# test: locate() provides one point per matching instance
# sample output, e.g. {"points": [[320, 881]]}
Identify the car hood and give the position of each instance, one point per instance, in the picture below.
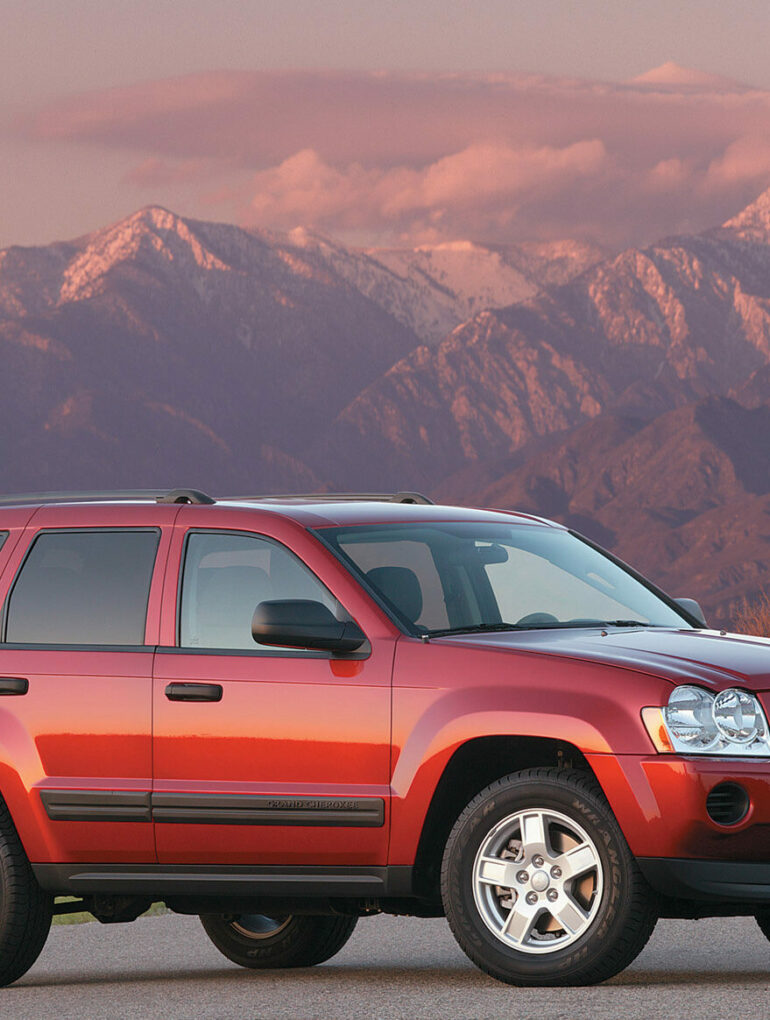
{"points": [[707, 656]]}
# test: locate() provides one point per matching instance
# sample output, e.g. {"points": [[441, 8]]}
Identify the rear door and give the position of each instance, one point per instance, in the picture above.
{"points": [[287, 761], [79, 627]]}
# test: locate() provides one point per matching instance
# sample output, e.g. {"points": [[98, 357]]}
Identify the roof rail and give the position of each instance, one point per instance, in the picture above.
{"points": [[78, 497], [185, 496], [343, 497], [102, 495]]}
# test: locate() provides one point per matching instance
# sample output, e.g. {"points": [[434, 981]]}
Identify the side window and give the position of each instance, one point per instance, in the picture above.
{"points": [[226, 576], [83, 588]]}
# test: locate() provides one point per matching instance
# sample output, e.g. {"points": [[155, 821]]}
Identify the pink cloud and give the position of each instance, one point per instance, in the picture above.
{"points": [[493, 157], [480, 185], [745, 160]]}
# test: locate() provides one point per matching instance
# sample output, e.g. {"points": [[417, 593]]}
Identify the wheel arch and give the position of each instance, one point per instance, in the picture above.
{"points": [[20, 797], [473, 766]]}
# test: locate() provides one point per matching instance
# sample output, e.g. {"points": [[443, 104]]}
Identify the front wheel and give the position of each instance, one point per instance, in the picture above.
{"points": [[539, 885], [261, 942]]}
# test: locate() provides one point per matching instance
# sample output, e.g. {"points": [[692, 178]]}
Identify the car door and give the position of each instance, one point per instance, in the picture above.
{"points": [[80, 622], [289, 762]]}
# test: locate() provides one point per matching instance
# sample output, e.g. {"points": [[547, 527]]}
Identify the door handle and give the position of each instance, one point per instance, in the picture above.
{"points": [[13, 685], [194, 692]]}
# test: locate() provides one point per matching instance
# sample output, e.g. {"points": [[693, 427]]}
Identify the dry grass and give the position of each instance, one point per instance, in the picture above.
{"points": [[753, 616], [84, 917]]}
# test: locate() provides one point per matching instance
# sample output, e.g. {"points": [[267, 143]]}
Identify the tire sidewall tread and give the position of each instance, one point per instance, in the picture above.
{"points": [[306, 941], [26, 911], [626, 916]]}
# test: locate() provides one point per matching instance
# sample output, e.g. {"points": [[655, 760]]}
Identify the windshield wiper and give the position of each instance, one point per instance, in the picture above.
{"points": [[475, 628], [481, 628], [624, 623]]}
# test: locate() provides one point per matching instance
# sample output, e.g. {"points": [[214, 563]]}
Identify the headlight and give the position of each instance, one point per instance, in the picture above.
{"points": [[689, 718], [695, 721], [738, 716]]}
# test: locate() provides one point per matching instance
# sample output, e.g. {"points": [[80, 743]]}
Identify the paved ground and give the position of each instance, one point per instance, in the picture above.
{"points": [[392, 967]]}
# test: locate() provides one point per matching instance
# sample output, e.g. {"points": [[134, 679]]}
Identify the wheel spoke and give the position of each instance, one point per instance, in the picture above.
{"points": [[533, 839], [569, 915], [520, 921], [532, 893], [577, 861], [494, 871]]}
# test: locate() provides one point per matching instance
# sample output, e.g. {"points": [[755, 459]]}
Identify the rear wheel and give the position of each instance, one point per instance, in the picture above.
{"points": [[539, 885], [25, 910], [261, 941]]}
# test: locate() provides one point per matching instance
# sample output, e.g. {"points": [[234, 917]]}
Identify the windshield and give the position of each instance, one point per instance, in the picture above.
{"points": [[454, 577]]}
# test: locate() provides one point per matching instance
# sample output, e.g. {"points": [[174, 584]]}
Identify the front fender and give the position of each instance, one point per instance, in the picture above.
{"points": [[490, 693]]}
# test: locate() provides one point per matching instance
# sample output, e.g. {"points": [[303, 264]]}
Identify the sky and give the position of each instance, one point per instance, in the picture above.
{"points": [[384, 121]]}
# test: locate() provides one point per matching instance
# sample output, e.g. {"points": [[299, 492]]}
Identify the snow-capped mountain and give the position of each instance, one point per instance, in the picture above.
{"points": [[623, 392], [432, 289], [645, 331], [752, 223], [248, 342]]}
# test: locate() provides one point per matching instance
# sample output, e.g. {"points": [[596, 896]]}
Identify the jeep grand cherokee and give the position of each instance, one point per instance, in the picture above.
{"points": [[286, 713]]}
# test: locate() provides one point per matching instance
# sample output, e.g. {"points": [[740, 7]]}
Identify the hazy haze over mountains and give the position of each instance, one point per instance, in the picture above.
{"points": [[628, 394]]}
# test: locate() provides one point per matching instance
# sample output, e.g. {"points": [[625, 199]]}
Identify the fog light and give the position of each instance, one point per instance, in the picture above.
{"points": [[727, 804]]}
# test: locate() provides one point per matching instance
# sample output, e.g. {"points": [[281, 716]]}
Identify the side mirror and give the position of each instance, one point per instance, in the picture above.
{"points": [[302, 623], [693, 608]]}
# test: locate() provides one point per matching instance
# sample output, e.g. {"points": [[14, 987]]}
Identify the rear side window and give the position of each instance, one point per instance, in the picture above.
{"points": [[83, 588]]}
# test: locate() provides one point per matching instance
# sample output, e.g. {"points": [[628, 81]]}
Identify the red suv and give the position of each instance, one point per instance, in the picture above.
{"points": [[287, 713]]}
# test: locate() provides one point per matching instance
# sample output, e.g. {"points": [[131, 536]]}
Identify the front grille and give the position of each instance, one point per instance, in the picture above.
{"points": [[727, 804]]}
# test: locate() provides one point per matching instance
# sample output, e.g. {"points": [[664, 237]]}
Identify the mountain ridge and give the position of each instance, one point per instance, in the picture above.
{"points": [[619, 392]]}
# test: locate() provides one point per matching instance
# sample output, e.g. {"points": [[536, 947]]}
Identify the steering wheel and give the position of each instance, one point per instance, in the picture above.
{"points": [[533, 619]]}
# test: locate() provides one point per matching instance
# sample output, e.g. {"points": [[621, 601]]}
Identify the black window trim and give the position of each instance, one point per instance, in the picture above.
{"points": [[664, 597], [77, 646], [32, 646], [259, 652]]}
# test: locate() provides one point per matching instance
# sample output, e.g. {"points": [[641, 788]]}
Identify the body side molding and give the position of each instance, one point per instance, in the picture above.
{"points": [[96, 805], [212, 809]]}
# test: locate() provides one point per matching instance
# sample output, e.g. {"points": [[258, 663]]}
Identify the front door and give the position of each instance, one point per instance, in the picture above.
{"points": [[264, 756]]}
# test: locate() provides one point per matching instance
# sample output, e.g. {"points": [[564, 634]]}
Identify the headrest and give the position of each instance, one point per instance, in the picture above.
{"points": [[400, 586]]}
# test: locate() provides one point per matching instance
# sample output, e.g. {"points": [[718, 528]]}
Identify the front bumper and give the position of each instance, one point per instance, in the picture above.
{"points": [[744, 882], [660, 802]]}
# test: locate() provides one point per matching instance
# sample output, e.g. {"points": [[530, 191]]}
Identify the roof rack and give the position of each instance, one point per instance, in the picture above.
{"points": [[201, 498], [117, 495], [342, 497], [78, 497]]}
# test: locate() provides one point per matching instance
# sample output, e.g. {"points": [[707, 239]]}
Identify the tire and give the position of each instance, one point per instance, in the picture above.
{"points": [[762, 918], [261, 942], [539, 885], [25, 910]]}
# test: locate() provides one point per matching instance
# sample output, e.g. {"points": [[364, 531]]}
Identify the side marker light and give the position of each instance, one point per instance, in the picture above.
{"points": [[656, 728]]}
